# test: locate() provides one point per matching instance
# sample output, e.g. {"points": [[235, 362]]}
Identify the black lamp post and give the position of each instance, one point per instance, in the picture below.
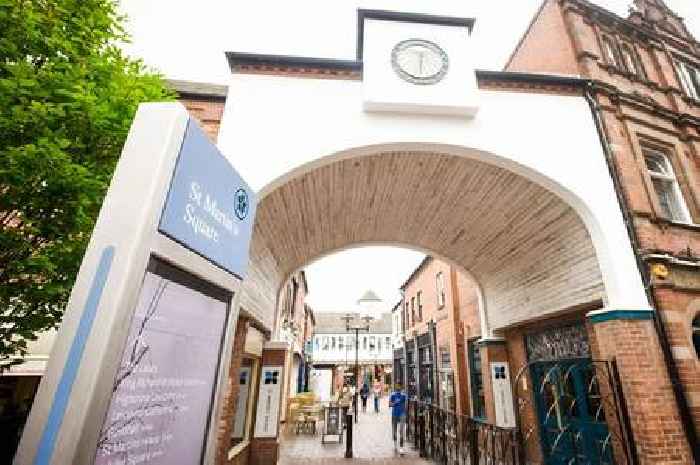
{"points": [[356, 328]]}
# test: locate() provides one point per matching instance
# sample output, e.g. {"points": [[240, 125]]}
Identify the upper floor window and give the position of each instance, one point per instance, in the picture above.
{"points": [[696, 335], [690, 78], [387, 341], [407, 319], [665, 185], [413, 309], [440, 284], [631, 61], [420, 305], [611, 52], [341, 342]]}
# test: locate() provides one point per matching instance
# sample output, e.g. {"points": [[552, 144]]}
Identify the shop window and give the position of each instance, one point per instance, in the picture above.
{"points": [[665, 185], [690, 78], [440, 284], [696, 335], [476, 381], [420, 305]]}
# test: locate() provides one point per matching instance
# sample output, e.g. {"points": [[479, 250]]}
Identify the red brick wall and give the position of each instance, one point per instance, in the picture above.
{"points": [[657, 428], [207, 112], [638, 110], [545, 47]]}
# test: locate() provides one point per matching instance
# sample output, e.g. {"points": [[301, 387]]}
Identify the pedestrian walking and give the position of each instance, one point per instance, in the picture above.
{"points": [[377, 390], [364, 394], [397, 403]]}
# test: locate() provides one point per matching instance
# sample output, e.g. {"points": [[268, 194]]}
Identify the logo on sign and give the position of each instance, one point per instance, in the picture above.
{"points": [[242, 204]]}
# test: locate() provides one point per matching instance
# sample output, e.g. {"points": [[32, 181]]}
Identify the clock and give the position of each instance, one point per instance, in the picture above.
{"points": [[419, 61]]}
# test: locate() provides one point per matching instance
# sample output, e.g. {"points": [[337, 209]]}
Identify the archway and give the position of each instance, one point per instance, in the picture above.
{"points": [[531, 251]]}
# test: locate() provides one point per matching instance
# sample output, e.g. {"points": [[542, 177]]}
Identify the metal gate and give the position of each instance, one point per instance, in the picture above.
{"points": [[572, 412]]}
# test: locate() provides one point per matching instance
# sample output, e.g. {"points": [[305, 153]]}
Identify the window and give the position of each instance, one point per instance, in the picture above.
{"points": [[318, 343], [440, 283], [333, 342], [665, 185], [387, 341], [611, 52], [696, 335], [408, 321], [341, 342], [690, 78], [631, 61], [420, 306], [476, 381], [364, 343], [379, 344], [325, 343], [413, 309]]}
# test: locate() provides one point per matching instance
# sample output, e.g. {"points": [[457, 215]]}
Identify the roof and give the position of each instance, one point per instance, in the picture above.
{"points": [[332, 323], [415, 272], [198, 89], [369, 296]]}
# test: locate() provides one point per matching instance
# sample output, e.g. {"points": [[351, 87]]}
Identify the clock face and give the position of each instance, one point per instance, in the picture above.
{"points": [[419, 61]]}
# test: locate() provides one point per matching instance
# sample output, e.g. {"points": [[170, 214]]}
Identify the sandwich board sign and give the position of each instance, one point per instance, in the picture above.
{"points": [[143, 350]]}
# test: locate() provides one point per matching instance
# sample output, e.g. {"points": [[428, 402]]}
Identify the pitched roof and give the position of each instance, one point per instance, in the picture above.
{"points": [[369, 295]]}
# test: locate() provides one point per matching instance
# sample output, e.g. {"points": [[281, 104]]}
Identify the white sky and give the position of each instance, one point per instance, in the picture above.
{"points": [[186, 39]]}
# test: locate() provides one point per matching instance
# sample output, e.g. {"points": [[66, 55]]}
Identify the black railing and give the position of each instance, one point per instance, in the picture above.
{"points": [[452, 439]]}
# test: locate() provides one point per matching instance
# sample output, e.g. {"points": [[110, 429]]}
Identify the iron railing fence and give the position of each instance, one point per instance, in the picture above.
{"points": [[452, 439]]}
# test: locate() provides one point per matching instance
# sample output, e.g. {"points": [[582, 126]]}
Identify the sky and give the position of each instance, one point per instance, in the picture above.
{"points": [[186, 40]]}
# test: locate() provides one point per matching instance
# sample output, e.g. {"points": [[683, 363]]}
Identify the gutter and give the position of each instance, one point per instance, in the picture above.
{"points": [[659, 325]]}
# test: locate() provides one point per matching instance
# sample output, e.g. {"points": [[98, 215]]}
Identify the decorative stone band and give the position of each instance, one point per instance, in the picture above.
{"points": [[601, 316]]}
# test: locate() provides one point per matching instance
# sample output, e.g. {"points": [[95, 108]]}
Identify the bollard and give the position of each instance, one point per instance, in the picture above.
{"points": [[348, 442]]}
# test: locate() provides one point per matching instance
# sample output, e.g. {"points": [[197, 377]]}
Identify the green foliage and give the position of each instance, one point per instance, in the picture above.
{"points": [[67, 98]]}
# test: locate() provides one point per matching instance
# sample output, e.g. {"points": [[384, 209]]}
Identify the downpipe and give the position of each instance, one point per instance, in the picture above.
{"points": [[671, 367]]}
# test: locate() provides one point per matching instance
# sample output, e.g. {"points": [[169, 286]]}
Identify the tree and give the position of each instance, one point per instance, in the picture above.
{"points": [[67, 98]]}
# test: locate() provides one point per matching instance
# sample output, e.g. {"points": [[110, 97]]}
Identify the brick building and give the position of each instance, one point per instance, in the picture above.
{"points": [[644, 73]]}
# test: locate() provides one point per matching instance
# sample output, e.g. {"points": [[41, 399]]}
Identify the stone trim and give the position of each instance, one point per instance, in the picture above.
{"points": [[601, 316]]}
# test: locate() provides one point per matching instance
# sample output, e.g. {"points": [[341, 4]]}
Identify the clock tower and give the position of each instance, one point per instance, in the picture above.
{"points": [[415, 63]]}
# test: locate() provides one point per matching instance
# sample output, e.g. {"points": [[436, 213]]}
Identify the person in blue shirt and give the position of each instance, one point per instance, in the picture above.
{"points": [[397, 402]]}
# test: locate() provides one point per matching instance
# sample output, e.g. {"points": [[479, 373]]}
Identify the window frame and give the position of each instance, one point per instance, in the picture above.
{"points": [[631, 60], [440, 287], [695, 335], [419, 305], [611, 52], [478, 400], [689, 77], [669, 177]]}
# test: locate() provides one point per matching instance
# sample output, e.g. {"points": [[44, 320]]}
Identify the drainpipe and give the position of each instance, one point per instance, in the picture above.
{"points": [[671, 367]]}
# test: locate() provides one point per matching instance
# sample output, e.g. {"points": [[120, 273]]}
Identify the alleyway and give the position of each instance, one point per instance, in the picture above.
{"points": [[372, 444]]}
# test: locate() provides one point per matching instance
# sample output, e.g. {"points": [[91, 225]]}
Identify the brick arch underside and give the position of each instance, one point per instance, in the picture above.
{"points": [[528, 249]]}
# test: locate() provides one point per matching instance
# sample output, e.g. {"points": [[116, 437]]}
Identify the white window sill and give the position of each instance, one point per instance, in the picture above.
{"points": [[237, 449]]}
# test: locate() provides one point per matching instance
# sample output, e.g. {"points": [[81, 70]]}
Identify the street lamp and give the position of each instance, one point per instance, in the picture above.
{"points": [[357, 327]]}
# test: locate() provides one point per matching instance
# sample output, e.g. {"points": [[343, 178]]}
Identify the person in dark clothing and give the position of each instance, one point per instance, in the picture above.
{"points": [[364, 394]]}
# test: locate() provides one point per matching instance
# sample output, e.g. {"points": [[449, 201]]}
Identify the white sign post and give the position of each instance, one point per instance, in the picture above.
{"points": [[502, 395], [267, 418], [145, 342]]}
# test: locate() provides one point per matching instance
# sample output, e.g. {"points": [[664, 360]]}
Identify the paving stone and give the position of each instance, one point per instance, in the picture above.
{"points": [[372, 444]]}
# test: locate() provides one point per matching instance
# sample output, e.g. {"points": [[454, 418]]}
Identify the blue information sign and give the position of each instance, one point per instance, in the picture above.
{"points": [[209, 208]]}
